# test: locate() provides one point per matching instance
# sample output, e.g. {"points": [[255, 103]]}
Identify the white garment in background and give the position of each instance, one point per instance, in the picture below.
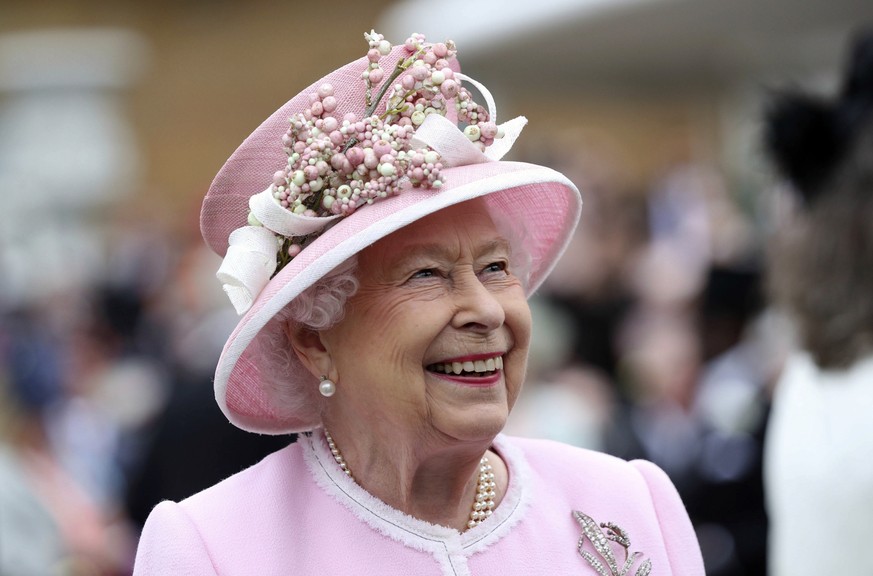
{"points": [[819, 470]]}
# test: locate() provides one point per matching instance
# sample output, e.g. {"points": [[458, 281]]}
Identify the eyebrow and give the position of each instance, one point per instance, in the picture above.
{"points": [[442, 251]]}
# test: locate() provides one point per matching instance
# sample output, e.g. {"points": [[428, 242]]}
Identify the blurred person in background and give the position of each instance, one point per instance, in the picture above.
{"points": [[819, 473], [691, 371], [697, 407], [49, 522]]}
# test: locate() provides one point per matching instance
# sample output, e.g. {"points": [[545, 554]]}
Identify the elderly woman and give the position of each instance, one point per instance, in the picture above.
{"points": [[381, 257]]}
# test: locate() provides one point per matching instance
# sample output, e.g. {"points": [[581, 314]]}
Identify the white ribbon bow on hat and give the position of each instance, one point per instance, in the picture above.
{"points": [[250, 260]]}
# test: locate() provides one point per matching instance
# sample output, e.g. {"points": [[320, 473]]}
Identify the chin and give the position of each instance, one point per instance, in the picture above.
{"points": [[480, 425]]}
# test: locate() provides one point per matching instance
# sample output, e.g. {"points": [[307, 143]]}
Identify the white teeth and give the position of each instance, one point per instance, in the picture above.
{"points": [[488, 365]]}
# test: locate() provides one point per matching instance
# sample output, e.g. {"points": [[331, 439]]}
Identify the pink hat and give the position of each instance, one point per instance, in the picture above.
{"points": [[282, 220]]}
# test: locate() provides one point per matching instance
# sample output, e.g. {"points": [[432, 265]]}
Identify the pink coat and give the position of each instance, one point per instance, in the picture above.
{"points": [[297, 513]]}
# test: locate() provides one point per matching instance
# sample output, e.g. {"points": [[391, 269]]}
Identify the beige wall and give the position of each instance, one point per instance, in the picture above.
{"points": [[622, 141], [219, 67]]}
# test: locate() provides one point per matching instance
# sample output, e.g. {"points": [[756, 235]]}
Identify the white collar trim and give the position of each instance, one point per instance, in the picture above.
{"points": [[450, 547]]}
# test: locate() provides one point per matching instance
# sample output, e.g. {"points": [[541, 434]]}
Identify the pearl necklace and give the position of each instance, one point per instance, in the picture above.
{"points": [[486, 487]]}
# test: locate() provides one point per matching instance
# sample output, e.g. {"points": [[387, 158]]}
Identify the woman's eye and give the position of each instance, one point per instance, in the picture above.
{"points": [[426, 273], [496, 267]]}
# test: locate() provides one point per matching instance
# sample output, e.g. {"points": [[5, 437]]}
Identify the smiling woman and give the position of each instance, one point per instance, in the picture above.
{"points": [[438, 291], [382, 264]]}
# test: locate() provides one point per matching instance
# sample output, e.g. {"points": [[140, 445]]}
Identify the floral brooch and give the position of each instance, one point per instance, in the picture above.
{"points": [[600, 537]]}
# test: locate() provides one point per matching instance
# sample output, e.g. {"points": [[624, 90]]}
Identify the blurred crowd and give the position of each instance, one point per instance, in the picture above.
{"points": [[106, 405]]}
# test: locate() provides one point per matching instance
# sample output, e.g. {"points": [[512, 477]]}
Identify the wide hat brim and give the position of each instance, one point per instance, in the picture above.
{"points": [[540, 199]]}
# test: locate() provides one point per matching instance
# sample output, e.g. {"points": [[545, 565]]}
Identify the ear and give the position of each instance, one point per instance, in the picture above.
{"points": [[310, 349]]}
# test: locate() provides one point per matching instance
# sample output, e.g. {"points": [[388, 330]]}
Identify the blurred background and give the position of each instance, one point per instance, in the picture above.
{"points": [[653, 337]]}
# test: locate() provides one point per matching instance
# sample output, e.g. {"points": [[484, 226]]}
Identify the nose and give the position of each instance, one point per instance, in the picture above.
{"points": [[477, 307]]}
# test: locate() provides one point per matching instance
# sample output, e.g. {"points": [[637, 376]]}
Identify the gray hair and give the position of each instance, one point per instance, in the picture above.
{"points": [[319, 307]]}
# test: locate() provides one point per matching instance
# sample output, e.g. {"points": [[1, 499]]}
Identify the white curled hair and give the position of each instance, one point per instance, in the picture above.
{"points": [[319, 307], [322, 305]]}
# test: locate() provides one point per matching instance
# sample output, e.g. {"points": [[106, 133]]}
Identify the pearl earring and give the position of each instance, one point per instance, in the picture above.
{"points": [[327, 387]]}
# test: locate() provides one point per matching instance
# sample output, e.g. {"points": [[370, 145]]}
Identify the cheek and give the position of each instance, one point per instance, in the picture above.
{"points": [[390, 334], [406, 327], [518, 320]]}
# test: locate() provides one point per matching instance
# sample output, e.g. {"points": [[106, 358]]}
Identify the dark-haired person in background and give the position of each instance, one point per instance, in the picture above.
{"points": [[819, 470]]}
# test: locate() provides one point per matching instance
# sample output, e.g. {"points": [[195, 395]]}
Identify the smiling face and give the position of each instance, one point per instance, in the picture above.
{"points": [[435, 341]]}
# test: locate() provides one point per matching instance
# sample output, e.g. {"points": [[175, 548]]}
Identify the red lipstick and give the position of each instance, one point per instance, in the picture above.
{"points": [[472, 381]]}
